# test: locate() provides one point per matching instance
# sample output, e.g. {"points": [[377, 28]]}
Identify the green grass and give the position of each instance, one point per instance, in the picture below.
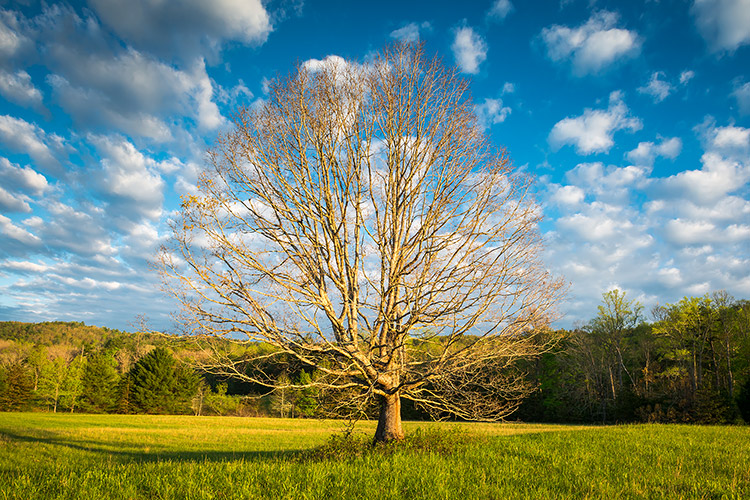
{"points": [[115, 456]]}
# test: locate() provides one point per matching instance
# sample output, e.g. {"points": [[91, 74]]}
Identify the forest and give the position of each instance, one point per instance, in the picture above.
{"points": [[687, 362]]}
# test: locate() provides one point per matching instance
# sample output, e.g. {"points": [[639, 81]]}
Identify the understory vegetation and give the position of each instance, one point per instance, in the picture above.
{"points": [[45, 455], [691, 364]]}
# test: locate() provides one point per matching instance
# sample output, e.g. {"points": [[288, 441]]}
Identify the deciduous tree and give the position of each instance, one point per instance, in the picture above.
{"points": [[361, 224]]}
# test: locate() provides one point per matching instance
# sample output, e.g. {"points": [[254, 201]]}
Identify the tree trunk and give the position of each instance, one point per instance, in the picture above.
{"points": [[389, 421]]}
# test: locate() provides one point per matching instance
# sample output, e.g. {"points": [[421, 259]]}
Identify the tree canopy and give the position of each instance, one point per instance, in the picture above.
{"points": [[360, 223]]}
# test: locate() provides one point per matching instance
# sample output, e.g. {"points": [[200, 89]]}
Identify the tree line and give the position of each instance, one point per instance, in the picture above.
{"points": [[690, 364]]}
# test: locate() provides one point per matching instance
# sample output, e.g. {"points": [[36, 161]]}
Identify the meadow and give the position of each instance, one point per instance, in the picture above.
{"points": [[44, 455]]}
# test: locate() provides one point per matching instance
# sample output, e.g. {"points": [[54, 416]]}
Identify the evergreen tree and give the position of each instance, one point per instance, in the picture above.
{"points": [[99, 382], [159, 384], [306, 401], [16, 386]]}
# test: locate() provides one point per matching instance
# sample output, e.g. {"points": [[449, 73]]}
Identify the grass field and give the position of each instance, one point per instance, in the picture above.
{"points": [[45, 455]]}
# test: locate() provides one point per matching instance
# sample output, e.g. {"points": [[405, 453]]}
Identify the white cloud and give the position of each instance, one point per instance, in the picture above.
{"points": [[18, 88], [28, 138], [686, 76], [22, 178], [611, 184], [691, 237], [500, 9], [336, 63], [17, 233], [684, 232], [24, 266], [716, 179], [592, 46], [130, 179], [567, 195], [186, 27], [133, 92], [469, 49], [410, 32], [491, 112], [508, 88], [731, 141], [725, 24], [669, 148], [13, 43], [646, 152], [742, 95], [592, 132], [658, 89], [10, 202], [21, 182]]}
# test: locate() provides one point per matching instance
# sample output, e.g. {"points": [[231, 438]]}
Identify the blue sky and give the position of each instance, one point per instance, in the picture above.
{"points": [[634, 117]]}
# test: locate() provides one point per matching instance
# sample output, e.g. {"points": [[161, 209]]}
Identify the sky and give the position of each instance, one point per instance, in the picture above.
{"points": [[632, 116]]}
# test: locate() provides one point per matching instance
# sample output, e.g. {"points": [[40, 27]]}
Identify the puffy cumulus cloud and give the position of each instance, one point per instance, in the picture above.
{"points": [[688, 232], [469, 50], [337, 63], [101, 84], [22, 178], [410, 32], [593, 46], [690, 237], [82, 231], [500, 9], [657, 88], [725, 24], [18, 88], [592, 132], [27, 138], [132, 92], [647, 152], [14, 43], [731, 142], [185, 27], [716, 179], [596, 226], [567, 195], [130, 181], [491, 112], [17, 233], [13, 202], [742, 96], [21, 181], [610, 183]]}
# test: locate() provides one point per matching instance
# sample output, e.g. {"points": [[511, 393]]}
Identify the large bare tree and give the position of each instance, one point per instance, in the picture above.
{"points": [[359, 222]]}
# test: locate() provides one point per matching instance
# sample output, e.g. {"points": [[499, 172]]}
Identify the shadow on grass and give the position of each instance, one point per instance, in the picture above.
{"points": [[339, 447], [106, 449]]}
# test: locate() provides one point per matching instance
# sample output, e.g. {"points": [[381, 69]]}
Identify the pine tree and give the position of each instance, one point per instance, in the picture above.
{"points": [[161, 385], [99, 382], [16, 386]]}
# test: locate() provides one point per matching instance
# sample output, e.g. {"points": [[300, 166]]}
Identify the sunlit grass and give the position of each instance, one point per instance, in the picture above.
{"points": [[117, 456]]}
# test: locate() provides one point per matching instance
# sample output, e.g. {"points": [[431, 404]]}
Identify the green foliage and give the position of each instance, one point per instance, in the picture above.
{"points": [[16, 384], [306, 401], [99, 384], [162, 385]]}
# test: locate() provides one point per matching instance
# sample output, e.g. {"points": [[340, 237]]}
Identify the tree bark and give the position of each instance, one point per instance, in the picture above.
{"points": [[389, 421]]}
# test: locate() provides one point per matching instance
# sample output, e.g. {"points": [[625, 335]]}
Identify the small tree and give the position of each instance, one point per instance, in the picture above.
{"points": [[361, 224], [159, 384]]}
